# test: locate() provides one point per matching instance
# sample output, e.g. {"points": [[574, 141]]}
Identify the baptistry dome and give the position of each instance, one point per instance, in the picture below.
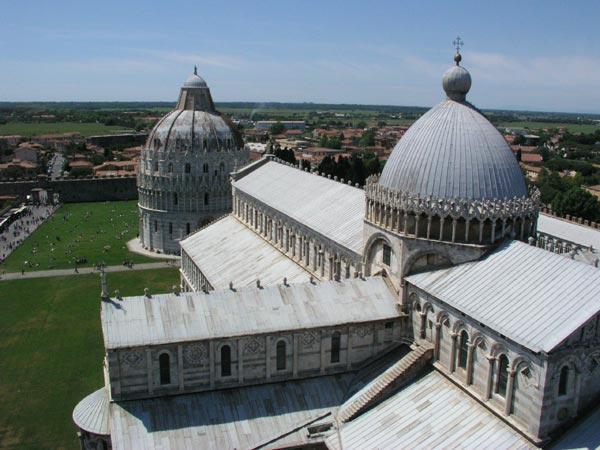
{"points": [[184, 171], [453, 151]]}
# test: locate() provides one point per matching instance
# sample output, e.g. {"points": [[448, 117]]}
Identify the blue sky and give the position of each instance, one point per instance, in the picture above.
{"points": [[535, 55]]}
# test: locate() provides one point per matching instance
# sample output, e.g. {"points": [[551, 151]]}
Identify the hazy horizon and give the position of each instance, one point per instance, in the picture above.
{"points": [[525, 56]]}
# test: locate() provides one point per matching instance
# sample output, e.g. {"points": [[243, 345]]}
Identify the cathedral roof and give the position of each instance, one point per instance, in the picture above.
{"points": [[454, 151], [193, 316], [429, 413], [249, 256], [331, 208], [532, 296]]}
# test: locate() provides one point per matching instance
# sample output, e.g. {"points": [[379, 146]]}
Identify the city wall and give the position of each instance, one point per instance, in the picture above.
{"points": [[76, 190]]}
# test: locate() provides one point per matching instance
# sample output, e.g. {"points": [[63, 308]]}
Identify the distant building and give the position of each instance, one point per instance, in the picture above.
{"points": [[27, 153], [288, 124]]}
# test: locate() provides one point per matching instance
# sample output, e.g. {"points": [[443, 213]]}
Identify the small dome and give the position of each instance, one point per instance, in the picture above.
{"points": [[194, 81], [456, 82]]}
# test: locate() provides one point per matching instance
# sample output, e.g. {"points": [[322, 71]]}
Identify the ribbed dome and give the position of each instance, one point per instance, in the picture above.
{"points": [[456, 82], [92, 413], [194, 81], [185, 130], [453, 151]]}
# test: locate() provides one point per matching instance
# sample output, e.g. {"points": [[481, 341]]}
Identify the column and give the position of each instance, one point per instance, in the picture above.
{"points": [[453, 351], [436, 342], [509, 391], [180, 367], [149, 370], [488, 385], [268, 357], [211, 359], [295, 356], [468, 378], [240, 345]]}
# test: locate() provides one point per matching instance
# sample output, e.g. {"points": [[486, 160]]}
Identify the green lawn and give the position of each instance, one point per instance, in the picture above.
{"points": [[96, 231], [86, 129], [574, 128], [51, 351]]}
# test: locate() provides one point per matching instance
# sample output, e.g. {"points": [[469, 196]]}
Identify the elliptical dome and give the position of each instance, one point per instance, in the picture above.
{"points": [[453, 151]]}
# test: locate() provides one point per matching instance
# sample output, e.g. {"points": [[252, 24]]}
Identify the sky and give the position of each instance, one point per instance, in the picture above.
{"points": [[523, 55]]}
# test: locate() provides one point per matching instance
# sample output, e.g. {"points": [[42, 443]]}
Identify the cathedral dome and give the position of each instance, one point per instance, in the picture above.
{"points": [[454, 152]]}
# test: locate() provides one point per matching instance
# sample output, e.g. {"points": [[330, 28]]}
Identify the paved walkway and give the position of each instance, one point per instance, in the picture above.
{"points": [[135, 246], [84, 270], [21, 228]]}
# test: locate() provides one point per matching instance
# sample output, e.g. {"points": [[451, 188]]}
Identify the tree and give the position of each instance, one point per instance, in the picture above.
{"points": [[277, 128], [286, 155], [368, 138], [577, 202]]}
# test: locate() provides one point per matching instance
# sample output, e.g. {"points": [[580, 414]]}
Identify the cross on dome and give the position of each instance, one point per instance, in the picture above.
{"points": [[458, 43]]}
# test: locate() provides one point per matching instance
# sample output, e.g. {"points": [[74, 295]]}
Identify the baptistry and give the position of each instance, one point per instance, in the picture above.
{"points": [[183, 176]]}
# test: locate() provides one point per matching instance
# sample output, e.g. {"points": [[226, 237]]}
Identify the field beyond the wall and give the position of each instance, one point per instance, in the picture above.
{"points": [[91, 233], [28, 130], [51, 351]]}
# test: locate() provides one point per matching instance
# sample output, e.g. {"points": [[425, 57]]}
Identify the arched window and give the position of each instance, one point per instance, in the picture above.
{"points": [[188, 168], [281, 355], [502, 375], [463, 349], [563, 381], [170, 228], [335, 346], [205, 168], [222, 167], [206, 198], [164, 363], [226, 361], [175, 198], [170, 167], [187, 228], [156, 166]]}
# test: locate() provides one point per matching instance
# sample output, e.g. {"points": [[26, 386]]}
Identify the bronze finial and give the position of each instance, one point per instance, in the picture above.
{"points": [[458, 43], [195, 70]]}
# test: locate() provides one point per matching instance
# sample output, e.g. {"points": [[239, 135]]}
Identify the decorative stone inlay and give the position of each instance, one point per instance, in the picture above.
{"points": [[308, 339], [253, 346], [362, 331], [133, 358], [496, 209], [195, 353]]}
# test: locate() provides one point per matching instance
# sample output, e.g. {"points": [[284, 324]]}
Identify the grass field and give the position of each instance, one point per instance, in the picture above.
{"points": [[51, 352], [574, 128], [96, 231], [32, 129]]}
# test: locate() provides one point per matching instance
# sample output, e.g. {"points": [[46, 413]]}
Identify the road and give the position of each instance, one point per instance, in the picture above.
{"points": [[83, 270], [56, 169]]}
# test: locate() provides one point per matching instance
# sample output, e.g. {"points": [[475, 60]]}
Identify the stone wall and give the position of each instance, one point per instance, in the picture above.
{"points": [[514, 392], [198, 366], [77, 190]]}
